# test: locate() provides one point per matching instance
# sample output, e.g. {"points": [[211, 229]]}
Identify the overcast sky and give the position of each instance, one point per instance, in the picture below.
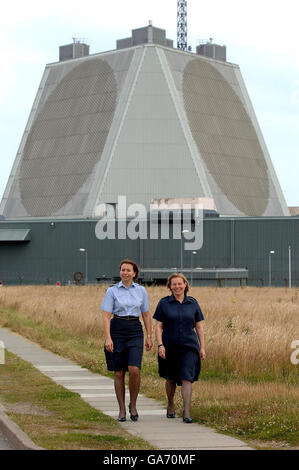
{"points": [[262, 37]]}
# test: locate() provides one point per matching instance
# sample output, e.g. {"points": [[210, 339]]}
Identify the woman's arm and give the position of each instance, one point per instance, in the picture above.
{"points": [[158, 333], [200, 335], [147, 319], [106, 325]]}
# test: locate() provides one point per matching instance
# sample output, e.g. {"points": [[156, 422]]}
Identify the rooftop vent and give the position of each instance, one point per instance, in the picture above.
{"points": [[146, 35], [213, 51], [73, 51]]}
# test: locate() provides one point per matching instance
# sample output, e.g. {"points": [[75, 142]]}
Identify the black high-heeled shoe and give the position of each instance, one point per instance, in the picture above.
{"points": [[185, 419], [121, 419], [133, 417], [170, 415]]}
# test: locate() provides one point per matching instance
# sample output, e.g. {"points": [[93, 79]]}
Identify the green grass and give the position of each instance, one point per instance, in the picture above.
{"points": [[54, 417], [255, 422], [85, 352], [265, 419]]}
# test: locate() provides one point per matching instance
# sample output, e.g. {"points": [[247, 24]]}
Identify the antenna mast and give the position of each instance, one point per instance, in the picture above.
{"points": [[182, 25]]}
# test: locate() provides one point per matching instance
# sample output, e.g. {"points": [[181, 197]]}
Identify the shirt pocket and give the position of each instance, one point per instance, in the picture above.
{"points": [[128, 302], [136, 301]]}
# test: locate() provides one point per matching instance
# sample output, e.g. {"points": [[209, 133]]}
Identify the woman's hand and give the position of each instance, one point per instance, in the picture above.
{"points": [[109, 345], [202, 353], [148, 343], [106, 324], [161, 351]]}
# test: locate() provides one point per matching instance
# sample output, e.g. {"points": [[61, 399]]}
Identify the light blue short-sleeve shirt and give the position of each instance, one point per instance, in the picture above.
{"points": [[123, 301]]}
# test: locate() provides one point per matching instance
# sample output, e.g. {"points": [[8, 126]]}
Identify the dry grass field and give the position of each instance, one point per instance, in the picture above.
{"points": [[247, 379], [247, 330]]}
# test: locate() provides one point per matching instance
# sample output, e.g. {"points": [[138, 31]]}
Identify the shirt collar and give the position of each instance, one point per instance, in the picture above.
{"points": [[173, 299], [120, 284]]}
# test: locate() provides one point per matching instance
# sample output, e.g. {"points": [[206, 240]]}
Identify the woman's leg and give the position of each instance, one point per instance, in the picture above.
{"points": [[134, 385], [119, 386], [186, 394], [170, 387]]}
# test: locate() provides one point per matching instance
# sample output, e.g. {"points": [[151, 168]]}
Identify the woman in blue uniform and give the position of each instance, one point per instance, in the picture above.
{"points": [[126, 301], [180, 339]]}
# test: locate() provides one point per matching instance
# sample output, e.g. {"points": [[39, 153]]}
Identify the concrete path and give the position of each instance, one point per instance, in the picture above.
{"points": [[4, 442], [98, 391]]}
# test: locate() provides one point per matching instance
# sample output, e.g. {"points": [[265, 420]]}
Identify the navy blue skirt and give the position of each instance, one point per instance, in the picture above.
{"points": [[127, 337], [181, 363]]}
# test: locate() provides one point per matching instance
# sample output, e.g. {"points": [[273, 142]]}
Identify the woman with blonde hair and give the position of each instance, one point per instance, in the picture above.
{"points": [[180, 339]]}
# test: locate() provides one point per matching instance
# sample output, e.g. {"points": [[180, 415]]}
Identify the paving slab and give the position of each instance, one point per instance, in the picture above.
{"points": [[98, 391]]}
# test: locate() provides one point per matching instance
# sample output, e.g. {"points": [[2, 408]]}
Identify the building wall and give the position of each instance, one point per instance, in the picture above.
{"points": [[53, 253]]}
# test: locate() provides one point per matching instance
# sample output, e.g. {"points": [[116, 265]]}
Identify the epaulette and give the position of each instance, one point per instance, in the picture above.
{"points": [[193, 298]]}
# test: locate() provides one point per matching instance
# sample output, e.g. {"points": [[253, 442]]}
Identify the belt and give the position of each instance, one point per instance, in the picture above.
{"points": [[128, 317]]}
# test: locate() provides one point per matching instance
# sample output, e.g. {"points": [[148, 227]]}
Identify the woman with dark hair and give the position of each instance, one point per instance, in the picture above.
{"points": [[126, 301], [180, 339]]}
